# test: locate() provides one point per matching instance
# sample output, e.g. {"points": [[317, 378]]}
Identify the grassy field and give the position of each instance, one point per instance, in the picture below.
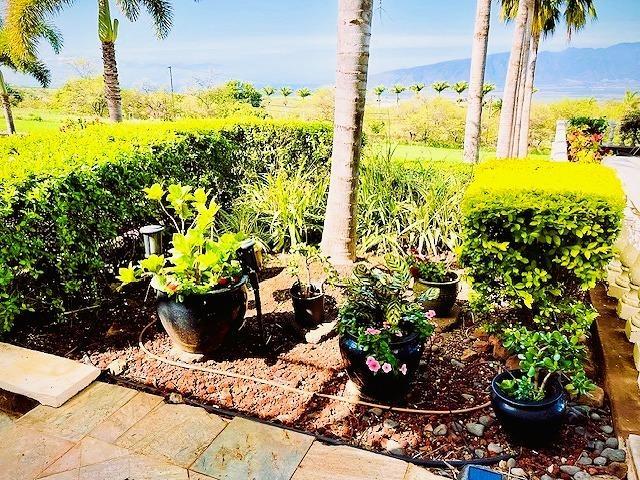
{"points": [[32, 120], [413, 153]]}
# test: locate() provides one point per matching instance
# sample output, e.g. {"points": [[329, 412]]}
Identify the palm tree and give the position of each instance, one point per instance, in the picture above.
{"points": [[487, 88], [22, 15], [440, 87], [460, 88], [285, 91], [304, 93], [354, 34], [32, 66], [477, 86], [631, 100], [269, 91], [546, 16], [378, 91], [398, 89], [510, 97], [417, 88]]}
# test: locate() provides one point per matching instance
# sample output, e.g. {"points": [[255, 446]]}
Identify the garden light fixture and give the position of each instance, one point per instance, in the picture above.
{"points": [[152, 237]]}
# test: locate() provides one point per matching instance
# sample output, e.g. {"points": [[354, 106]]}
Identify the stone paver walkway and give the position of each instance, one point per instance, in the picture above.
{"points": [[108, 432]]}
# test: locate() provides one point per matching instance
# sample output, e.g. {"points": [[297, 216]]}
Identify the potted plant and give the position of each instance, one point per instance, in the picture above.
{"points": [[434, 273], [531, 403], [307, 295], [382, 330], [200, 287]]}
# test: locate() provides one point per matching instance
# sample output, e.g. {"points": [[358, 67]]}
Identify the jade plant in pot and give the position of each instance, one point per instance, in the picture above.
{"points": [[434, 273], [531, 402], [382, 330], [200, 286], [307, 293]]}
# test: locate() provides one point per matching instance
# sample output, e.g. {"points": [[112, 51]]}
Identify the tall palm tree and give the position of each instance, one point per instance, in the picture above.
{"points": [[398, 90], [22, 15], [304, 93], [33, 67], [354, 35], [547, 14], [476, 82], [440, 87], [378, 91], [417, 88], [460, 88], [510, 96], [269, 91], [285, 92]]}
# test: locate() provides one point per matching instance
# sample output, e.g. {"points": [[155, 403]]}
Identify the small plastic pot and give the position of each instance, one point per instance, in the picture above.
{"points": [[392, 386], [447, 294], [308, 310], [201, 323], [530, 423]]}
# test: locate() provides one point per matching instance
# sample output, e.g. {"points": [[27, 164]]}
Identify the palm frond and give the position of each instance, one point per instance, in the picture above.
{"points": [[161, 11]]}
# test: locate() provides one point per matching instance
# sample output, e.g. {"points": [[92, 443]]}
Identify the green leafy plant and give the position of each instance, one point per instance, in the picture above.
{"points": [[302, 260], [377, 311], [630, 128], [542, 356], [430, 269], [589, 125], [200, 261]]}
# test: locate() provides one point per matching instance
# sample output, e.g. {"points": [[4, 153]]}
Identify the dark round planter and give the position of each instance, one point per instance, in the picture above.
{"points": [[530, 423], [200, 323], [391, 386], [308, 311], [447, 294]]}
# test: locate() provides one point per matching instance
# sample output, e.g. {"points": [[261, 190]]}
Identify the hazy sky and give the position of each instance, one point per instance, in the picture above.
{"points": [[293, 41]]}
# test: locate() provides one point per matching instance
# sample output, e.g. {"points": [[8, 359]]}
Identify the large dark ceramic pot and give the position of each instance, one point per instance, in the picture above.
{"points": [[530, 423], [447, 294], [200, 323], [391, 386], [308, 311]]}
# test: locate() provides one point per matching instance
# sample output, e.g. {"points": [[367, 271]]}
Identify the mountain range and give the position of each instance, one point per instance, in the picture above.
{"points": [[574, 72]]}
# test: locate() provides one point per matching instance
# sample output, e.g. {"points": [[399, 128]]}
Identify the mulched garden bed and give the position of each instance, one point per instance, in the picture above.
{"points": [[455, 373]]}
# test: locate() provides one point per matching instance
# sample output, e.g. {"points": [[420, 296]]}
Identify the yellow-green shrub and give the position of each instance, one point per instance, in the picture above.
{"points": [[536, 232]]}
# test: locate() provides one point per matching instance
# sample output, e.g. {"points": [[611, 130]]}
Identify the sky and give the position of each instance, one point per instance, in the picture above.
{"points": [[292, 42]]}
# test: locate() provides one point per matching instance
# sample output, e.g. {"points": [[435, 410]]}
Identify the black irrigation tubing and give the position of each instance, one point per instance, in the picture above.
{"points": [[230, 414]]}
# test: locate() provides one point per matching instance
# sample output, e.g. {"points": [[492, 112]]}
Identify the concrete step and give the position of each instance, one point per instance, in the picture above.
{"points": [[49, 379]]}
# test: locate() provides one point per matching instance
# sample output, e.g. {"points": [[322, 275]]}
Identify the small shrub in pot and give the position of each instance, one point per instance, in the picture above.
{"points": [[200, 286], [382, 331], [435, 273], [307, 293]]}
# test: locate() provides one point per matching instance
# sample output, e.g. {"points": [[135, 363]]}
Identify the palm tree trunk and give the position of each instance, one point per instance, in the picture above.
{"points": [[520, 95], [476, 82], [523, 147], [111, 82], [509, 98], [6, 105], [354, 34]]}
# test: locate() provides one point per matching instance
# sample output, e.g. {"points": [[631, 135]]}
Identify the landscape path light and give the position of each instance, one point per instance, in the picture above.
{"points": [[152, 237]]}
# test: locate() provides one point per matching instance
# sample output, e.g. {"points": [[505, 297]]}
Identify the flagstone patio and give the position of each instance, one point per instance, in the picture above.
{"points": [[114, 433]]}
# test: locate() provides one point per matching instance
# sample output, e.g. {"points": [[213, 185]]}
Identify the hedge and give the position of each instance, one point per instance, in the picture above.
{"points": [[67, 198], [538, 232]]}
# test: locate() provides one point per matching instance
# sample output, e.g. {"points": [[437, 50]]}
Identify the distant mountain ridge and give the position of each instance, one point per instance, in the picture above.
{"points": [[597, 72]]}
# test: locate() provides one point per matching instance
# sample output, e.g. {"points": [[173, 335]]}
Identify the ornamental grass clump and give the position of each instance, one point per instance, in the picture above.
{"points": [[537, 236]]}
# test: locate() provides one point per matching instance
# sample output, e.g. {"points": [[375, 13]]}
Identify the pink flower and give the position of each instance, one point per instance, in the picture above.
{"points": [[373, 364], [386, 368], [403, 369], [431, 314], [373, 331]]}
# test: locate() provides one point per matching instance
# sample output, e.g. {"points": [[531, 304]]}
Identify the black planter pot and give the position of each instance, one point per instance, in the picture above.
{"points": [[200, 323], [447, 294], [391, 386], [530, 423], [308, 311]]}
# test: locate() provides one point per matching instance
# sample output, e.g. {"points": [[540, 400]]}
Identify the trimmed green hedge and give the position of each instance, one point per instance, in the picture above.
{"points": [[65, 198], [536, 232]]}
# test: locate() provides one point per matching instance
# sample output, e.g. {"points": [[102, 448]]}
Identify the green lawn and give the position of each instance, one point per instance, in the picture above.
{"points": [[29, 120], [413, 153]]}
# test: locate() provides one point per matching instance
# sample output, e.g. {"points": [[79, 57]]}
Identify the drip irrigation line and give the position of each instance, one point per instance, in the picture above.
{"points": [[230, 414], [301, 391]]}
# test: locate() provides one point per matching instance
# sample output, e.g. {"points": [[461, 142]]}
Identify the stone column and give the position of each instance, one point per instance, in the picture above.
{"points": [[559, 149]]}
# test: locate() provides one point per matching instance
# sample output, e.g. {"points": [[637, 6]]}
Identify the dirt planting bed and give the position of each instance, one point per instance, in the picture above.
{"points": [[455, 373]]}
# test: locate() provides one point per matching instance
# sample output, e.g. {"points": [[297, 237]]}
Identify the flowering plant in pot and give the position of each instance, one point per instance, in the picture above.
{"points": [[307, 293], [435, 273], [382, 329], [200, 287], [531, 402]]}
